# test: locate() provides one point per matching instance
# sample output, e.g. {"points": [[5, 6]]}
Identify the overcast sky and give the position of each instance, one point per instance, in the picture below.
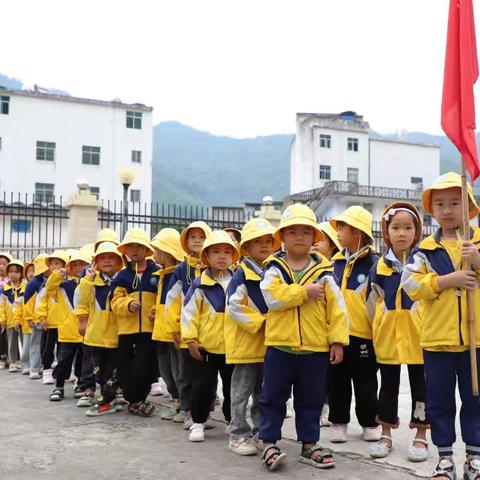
{"points": [[238, 68]]}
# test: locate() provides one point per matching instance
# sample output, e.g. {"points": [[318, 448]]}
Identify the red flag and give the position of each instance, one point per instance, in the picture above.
{"points": [[461, 72]]}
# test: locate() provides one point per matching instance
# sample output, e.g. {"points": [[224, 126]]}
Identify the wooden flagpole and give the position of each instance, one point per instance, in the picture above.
{"points": [[470, 299]]}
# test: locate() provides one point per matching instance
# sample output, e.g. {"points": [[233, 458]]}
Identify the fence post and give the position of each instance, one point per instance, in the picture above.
{"points": [[83, 217]]}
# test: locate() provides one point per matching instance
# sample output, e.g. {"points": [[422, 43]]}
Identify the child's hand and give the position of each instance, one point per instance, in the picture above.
{"points": [[43, 324], [465, 279], [62, 272], [91, 273], [134, 306], [31, 324], [151, 315], [336, 354], [82, 325], [176, 340], [315, 292], [196, 351], [2, 327], [471, 254], [18, 327]]}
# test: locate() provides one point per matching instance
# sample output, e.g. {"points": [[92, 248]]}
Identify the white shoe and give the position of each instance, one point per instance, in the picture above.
{"points": [[86, 400], [12, 368], [471, 468], [324, 421], [289, 411], [380, 449], [371, 434], [338, 433], [242, 446], [188, 422], [418, 454], [156, 390], [48, 377], [35, 376], [196, 433], [25, 371]]}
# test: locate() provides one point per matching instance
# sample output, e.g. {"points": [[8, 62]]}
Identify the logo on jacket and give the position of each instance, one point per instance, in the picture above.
{"points": [[361, 277], [154, 281]]}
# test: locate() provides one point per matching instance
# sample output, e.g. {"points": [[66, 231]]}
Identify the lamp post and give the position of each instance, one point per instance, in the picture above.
{"points": [[126, 176]]}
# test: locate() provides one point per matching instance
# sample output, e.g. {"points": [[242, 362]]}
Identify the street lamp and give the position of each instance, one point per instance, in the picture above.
{"points": [[126, 176]]}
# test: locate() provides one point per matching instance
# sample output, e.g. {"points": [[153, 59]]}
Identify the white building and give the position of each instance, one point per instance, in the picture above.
{"points": [[48, 143], [335, 162]]}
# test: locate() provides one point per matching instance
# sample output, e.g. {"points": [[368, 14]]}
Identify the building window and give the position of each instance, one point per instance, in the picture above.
{"points": [[21, 225], [135, 195], [134, 120], [352, 144], [44, 192], [325, 172], [136, 156], [352, 175], [90, 155], [417, 181], [325, 140], [4, 104], [46, 151], [95, 191]]}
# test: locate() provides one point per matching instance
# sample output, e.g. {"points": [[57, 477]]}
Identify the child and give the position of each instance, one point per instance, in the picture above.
{"points": [[10, 297], [395, 325], [34, 285], [330, 245], [306, 320], [168, 253], [99, 328], [5, 259], [203, 317], [244, 332], [351, 268], [191, 239], [60, 288], [133, 297], [434, 275]]}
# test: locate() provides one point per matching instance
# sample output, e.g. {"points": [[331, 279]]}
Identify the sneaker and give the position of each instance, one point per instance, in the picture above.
{"points": [[156, 390], [13, 368], [25, 371], [209, 424], [35, 376], [196, 433], [86, 400], [242, 446], [78, 392], [289, 411], [338, 433], [57, 395], [471, 468], [103, 409], [48, 377], [119, 399], [179, 417], [167, 413], [3, 365], [188, 422], [446, 468], [371, 434]]}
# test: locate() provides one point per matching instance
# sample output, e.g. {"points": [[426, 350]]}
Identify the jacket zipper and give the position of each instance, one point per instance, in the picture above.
{"points": [[459, 302], [140, 309], [299, 326]]}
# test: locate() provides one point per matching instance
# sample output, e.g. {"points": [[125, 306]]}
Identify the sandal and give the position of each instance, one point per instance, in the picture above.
{"points": [[269, 452], [381, 449], [57, 395], [445, 468], [418, 454], [142, 409], [472, 468], [318, 461]]}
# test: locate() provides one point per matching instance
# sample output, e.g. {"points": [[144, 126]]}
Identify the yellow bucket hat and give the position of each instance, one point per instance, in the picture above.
{"points": [[136, 235], [357, 217], [449, 180], [40, 263], [217, 237], [198, 224], [109, 247], [299, 214], [168, 240], [89, 249], [80, 255], [7, 256], [60, 255], [16, 262], [256, 228], [331, 233], [106, 235]]}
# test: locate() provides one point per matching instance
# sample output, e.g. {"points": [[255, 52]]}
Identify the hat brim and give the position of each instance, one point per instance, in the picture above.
{"points": [[175, 253], [204, 256], [121, 248], [319, 235], [277, 244], [184, 235], [352, 223], [427, 200]]}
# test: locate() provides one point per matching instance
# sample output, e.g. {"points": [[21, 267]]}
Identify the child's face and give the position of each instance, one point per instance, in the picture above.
{"points": [[3, 266], [195, 239], [163, 258], [107, 262], [30, 272], [75, 268], [135, 252], [349, 237], [447, 207], [298, 239], [401, 231], [325, 247], [15, 273], [56, 264], [220, 256], [260, 248]]}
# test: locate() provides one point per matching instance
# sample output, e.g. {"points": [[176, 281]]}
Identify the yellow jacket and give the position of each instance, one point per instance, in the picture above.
{"points": [[56, 304], [445, 319], [30, 298], [160, 332], [179, 283], [10, 298], [245, 316], [203, 314], [395, 318], [295, 321], [93, 300], [352, 276], [127, 287]]}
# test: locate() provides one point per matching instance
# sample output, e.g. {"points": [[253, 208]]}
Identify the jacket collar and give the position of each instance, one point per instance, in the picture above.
{"points": [[432, 242], [351, 257], [251, 270], [207, 279], [279, 259]]}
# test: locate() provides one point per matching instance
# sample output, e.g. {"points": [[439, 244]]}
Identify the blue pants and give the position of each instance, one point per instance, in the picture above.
{"points": [[442, 370], [307, 375]]}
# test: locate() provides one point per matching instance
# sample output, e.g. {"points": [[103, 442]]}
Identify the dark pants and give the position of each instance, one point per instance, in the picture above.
{"points": [[204, 383], [3, 346], [167, 356], [105, 366], [66, 354], [442, 370], [49, 340], [184, 380], [136, 365], [359, 367], [389, 390], [306, 374], [86, 380]]}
